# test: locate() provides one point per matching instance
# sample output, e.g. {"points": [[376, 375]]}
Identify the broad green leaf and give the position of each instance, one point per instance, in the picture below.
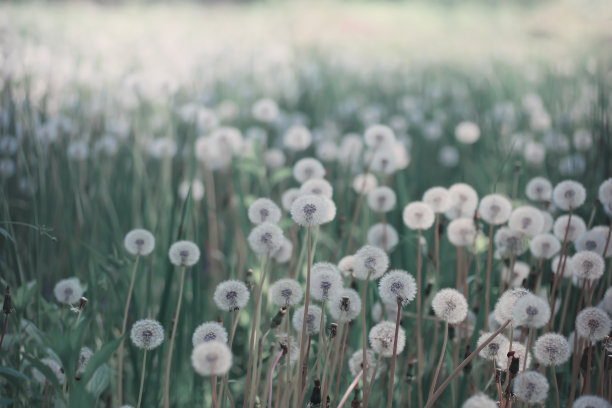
{"points": [[99, 358]]}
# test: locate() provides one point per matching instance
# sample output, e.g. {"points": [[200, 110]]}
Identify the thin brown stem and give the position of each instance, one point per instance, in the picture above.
{"points": [[418, 322], [364, 331], [394, 357], [440, 360], [298, 384], [172, 338], [488, 278], [123, 327]]}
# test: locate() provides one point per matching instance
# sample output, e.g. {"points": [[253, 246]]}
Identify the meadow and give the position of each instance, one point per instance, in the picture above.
{"points": [[195, 212]]}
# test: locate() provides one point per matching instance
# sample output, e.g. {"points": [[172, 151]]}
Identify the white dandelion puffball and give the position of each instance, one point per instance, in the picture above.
{"points": [[196, 187], [68, 291], [575, 228], [564, 272], [531, 311], [283, 253], [379, 135], [325, 281], [548, 222], [209, 331], [516, 277], [551, 349], [592, 240], [519, 351], [346, 265], [383, 236], [438, 198], [211, 358], [590, 401], [292, 346], [265, 238], [327, 151], [593, 324], [289, 197], [383, 160], [228, 138], [370, 262], [308, 168], [492, 349], [364, 183], [297, 138], [381, 199], [264, 210], [265, 110], [479, 401], [534, 152], [346, 306], [313, 320], [531, 387], [544, 246], [139, 242], [526, 219], [331, 210], [450, 305], [382, 337], [84, 355], [309, 210], [587, 265], [605, 195], [467, 132], [462, 232], [397, 285], [286, 292], [355, 364], [505, 305], [463, 198], [418, 215], [231, 295], [495, 209], [583, 140], [569, 194], [55, 368], [539, 189], [184, 253], [317, 187], [274, 158], [510, 242], [147, 334]]}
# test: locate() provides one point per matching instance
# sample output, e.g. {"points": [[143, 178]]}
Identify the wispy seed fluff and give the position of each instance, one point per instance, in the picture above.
{"points": [[265, 110], [370, 261], [286, 292], [147, 334], [231, 295], [383, 236], [325, 281], [531, 311], [495, 209], [383, 160], [491, 350], [346, 265], [450, 305], [317, 187], [209, 331], [509, 242], [211, 358], [397, 284], [346, 306], [526, 219], [418, 215], [593, 324], [462, 232], [68, 291], [355, 364], [531, 387], [464, 198], [283, 253], [309, 210], [308, 168], [139, 242], [364, 183], [313, 320], [297, 138], [184, 253], [544, 246], [587, 265], [327, 151], [548, 222], [289, 197], [551, 349], [516, 277], [576, 227], [539, 189], [382, 336], [264, 210], [505, 305], [479, 401], [592, 240], [605, 195], [467, 132], [377, 136], [590, 401], [331, 210], [438, 198], [519, 351], [265, 238], [569, 194], [381, 199]]}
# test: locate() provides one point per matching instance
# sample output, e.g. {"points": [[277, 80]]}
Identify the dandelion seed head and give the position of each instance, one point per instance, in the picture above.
{"points": [[397, 284], [377, 136], [346, 265], [544, 246], [382, 337], [551, 349], [510, 242], [383, 160], [526, 219], [265, 110], [548, 222], [590, 401], [355, 364], [479, 401], [265, 238], [84, 355], [383, 236], [491, 350], [603, 231], [531, 311], [450, 305], [462, 232], [289, 197], [292, 346], [370, 261], [569, 194], [264, 210], [209, 331], [346, 306], [313, 320], [592, 240], [587, 265], [286, 292], [184, 253], [283, 253], [438, 198], [325, 281], [147, 334], [464, 198], [539, 189], [516, 277], [274, 158], [519, 351], [308, 168], [327, 151], [495, 209], [381, 199], [593, 324], [605, 195], [418, 215], [196, 187], [297, 138], [68, 291], [211, 358], [531, 387], [317, 187], [505, 305], [139, 242], [231, 295], [576, 227], [364, 183], [467, 132], [309, 210]]}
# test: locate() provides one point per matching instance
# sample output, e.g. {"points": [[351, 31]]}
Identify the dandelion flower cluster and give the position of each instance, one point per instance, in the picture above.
{"points": [[527, 220], [504, 307], [264, 210], [438, 198], [539, 189], [493, 348], [495, 209], [593, 324], [587, 265], [531, 311], [309, 210], [544, 246], [569, 194], [265, 238], [308, 168], [462, 232], [325, 281], [314, 320]]}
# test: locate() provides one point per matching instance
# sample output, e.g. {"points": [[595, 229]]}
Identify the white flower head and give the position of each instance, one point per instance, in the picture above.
{"points": [[265, 238], [551, 349], [68, 291], [418, 215], [325, 281], [383, 236], [593, 240], [381, 199], [308, 168], [297, 138], [317, 187], [355, 364], [147, 334], [526, 219], [397, 285], [467, 132], [313, 320], [575, 228], [519, 352], [364, 183], [569, 194], [590, 401], [309, 210], [289, 197], [139, 242], [382, 337], [346, 306], [531, 311], [495, 209], [209, 331], [544, 246], [231, 295], [377, 136], [84, 355], [211, 358], [516, 277], [383, 160], [197, 189], [286, 292], [327, 151], [464, 198], [274, 158], [346, 265], [587, 265], [492, 349], [504, 307], [450, 305], [265, 110], [283, 253], [539, 189], [370, 262], [593, 324], [438, 198], [264, 210], [605, 195], [184, 253], [462, 232], [479, 401], [531, 387]]}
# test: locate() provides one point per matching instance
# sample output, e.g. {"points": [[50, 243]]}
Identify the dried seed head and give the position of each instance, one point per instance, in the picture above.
{"points": [[209, 331], [211, 358], [139, 242], [147, 334]]}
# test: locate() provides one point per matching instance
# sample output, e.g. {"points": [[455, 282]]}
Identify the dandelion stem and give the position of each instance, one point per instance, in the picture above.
{"points": [[488, 278], [338, 377], [418, 322], [142, 376], [304, 320], [560, 267], [172, 338], [554, 376], [213, 382], [364, 333], [278, 357], [394, 357], [350, 389], [439, 366], [3, 330], [123, 327]]}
